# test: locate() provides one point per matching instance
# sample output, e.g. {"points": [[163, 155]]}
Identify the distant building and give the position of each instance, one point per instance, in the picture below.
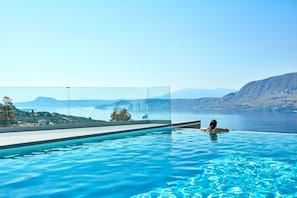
{"points": [[42, 122]]}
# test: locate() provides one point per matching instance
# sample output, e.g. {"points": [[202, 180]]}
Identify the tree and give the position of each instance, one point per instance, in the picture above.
{"points": [[6, 112], [123, 115]]}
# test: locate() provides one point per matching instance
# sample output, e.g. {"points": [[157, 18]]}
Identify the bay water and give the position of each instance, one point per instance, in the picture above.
{"points": [[245, 121], [237, 121]]}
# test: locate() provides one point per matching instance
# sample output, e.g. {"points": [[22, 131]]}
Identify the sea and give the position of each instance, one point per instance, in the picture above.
{"points": [[245, 121], [240, 121]]}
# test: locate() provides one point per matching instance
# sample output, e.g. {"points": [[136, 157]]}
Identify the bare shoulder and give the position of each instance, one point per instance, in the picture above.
{"points": [[203, 129]]}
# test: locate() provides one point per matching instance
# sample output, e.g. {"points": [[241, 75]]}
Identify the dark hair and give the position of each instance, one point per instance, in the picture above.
{"points": [[212, 124]]}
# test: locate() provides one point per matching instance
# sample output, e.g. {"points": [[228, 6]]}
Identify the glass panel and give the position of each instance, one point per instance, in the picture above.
{"points": [[73, 106], [159, 104]]}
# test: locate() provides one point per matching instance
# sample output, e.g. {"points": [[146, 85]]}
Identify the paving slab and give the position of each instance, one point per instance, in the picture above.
{"points": [[23, 138], [11, 139]]}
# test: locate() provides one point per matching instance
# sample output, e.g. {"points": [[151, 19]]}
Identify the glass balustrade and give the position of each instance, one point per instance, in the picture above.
{"points": [[65, 107]]}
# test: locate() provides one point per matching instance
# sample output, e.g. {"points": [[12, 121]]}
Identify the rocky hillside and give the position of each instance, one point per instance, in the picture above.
{"points": [[278, 93]]}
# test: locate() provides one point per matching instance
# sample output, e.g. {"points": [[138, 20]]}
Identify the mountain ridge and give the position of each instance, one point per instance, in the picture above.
{"points": [[276, 94], [273, 86], [200, 93], [270, 94]]}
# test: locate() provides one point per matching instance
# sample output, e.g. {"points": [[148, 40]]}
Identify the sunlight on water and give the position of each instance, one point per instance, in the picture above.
{"points": [[178, 163], [235, 175]]}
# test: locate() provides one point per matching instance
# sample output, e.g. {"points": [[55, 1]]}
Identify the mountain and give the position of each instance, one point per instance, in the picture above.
{"points": [[52, 102], [278, 93], [200, 93]]}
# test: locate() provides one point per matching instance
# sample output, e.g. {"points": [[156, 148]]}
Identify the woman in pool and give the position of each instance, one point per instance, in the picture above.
{"points": [[213, 128]]}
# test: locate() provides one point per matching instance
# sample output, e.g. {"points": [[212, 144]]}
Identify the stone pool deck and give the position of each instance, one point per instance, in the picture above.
{"points": [[23, 138]]}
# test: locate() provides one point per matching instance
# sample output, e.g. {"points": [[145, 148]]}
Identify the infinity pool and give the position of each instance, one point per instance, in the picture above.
{"points": [[157, 163]]}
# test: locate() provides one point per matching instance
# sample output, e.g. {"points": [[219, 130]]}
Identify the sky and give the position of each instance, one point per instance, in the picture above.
{"points": [[146, 43]]}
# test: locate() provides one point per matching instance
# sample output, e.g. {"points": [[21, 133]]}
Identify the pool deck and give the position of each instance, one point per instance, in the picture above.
{"points": [[23, 138]]}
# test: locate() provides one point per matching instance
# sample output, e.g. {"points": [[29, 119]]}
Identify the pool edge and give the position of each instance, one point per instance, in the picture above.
{"points": [[117, 130]]}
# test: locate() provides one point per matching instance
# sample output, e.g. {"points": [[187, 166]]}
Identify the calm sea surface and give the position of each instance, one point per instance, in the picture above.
{"points": [[244, 121], [252, 121]]}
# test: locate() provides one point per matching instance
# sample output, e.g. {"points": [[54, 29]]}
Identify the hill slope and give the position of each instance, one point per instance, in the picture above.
{"points": [[278, 93]]}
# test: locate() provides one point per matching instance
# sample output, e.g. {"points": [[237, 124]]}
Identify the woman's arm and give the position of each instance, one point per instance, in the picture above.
{"points": [[203, 129], [222, 130]]}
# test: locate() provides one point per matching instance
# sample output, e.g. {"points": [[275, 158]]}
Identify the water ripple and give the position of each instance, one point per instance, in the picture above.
{"points": [[183, 163]]}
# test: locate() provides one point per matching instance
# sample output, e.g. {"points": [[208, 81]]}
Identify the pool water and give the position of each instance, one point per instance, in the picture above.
{"points": [[166, 163]]}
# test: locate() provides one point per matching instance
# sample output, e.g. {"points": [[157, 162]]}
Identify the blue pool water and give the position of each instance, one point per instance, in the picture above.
{"points": [[166, 163]]}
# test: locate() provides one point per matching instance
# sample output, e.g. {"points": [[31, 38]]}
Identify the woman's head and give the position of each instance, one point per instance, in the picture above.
{"points": [[213, 124]]}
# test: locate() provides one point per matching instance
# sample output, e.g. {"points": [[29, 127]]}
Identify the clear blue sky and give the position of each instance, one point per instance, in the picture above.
{"points": [[144, 43]]}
